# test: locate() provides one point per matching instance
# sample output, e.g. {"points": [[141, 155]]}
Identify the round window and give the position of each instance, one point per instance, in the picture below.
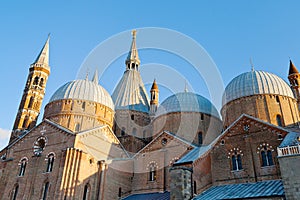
{"points": [[39, 145]]}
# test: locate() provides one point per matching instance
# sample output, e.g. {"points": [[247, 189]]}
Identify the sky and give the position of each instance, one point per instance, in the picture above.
{"points": [[230, 33]]}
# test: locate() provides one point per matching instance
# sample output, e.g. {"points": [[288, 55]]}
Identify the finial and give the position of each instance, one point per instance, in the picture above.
{"points": [[252, 66], [185, 86], [87, 74], [133, 33]]}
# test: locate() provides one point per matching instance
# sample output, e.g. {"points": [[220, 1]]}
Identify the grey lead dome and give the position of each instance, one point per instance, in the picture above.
{"points": [[187, 102], [256, 82], [83, 90]]}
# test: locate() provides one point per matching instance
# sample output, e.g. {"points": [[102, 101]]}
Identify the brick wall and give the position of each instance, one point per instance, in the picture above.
{"points": [[290, 173]]}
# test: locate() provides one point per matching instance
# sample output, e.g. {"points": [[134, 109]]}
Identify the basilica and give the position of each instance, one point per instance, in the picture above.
{"points": [[92, 145]]}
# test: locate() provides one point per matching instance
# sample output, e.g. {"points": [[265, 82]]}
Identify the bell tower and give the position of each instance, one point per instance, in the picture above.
{"points": [[154, 100], [33, 94], [294, 78]]}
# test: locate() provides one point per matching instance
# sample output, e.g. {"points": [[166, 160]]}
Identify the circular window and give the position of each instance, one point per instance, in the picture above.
{"points": [[164, 141], [39, 145]]}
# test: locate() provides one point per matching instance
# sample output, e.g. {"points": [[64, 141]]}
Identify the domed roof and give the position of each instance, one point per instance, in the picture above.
{"points": [[83, 90], [187, 102], [256, 82]]}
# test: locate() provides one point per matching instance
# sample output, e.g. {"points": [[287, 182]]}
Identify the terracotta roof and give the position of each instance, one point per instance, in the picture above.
{"points": [[293, 69], [154, 85]]}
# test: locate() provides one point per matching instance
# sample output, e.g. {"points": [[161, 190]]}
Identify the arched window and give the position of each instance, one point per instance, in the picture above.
{"points": [[50, 162], [86, 192], [36, 80], [30, 105], [41, 82], [237, 162], [23, 164], [15, 192], [123, 131], [45, 190], [266, 155], [25, 122], [264, 158], [195, 187], [200, 138], [270, 158], [83, 106], [277, 99], [278, 119], [236, 159], [202, 116], [152, 172], [234, 162], [132, 117], [77, 127], [120, 192]]}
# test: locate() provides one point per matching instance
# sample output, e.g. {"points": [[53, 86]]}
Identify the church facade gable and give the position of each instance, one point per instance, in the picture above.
{"points": [[152, 163], [246, 152], [34, 161]]}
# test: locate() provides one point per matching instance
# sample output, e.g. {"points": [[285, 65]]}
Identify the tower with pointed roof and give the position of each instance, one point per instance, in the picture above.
{"points": [[294, 78], [33, 94], [154, 99], [131, 103]]}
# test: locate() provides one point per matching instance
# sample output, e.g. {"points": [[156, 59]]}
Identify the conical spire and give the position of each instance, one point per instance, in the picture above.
{"points": [[43, 57], [154, 85], [293, 69], [95, 78], [133, 61]]}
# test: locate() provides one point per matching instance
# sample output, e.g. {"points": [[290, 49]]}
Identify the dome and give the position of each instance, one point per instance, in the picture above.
{"points": [[256, 82], [83, 90], [187, 102]]}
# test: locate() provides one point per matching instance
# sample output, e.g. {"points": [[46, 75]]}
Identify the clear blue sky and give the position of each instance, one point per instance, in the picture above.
{"points": [[230, 31]]}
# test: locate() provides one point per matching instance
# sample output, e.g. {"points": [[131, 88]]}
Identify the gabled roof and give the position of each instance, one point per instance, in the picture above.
{"points": [[51, 123], [159, 135], [102, 143], [149, 196], [273, 188], [291, 139], [194, 154], [201, 151]]}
